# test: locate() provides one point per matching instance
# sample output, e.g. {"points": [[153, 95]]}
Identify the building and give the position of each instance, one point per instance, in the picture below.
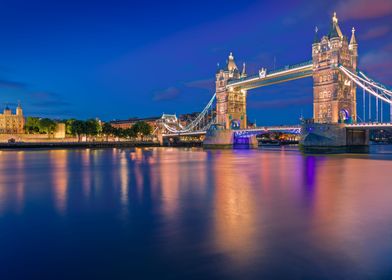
{"points": [[12, 123], [334, 94], [124, 124]]}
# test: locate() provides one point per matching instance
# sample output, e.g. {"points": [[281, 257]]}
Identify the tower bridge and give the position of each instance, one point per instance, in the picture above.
{"points": [[336, 79]]}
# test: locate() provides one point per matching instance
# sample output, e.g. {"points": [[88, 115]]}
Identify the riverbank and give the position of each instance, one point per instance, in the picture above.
{"points": [[70, 145]]}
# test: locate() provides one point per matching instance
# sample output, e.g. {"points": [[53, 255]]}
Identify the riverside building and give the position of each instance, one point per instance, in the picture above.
{"points": [[12, 123]]}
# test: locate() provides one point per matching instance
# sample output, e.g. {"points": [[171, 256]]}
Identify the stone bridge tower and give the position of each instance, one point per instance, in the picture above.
{"points": [[334, 95], [230, 102]]}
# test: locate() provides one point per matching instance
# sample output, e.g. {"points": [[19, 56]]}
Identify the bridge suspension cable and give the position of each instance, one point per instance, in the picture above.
{"points": [[373, 88], [201, 123]]}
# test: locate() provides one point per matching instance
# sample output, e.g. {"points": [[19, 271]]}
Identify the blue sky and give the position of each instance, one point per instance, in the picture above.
{"points": [[120, 59]]}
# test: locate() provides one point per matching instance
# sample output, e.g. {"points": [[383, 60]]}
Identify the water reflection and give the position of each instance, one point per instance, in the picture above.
{"points": [[59, 174], [235, 210], [195, 213]]}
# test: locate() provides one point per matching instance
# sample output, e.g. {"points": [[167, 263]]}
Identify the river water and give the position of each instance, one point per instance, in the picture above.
{"points": [[167, 213]]}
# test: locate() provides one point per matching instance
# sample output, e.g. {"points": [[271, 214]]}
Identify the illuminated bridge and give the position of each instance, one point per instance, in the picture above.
{"points": [[336, 84]]}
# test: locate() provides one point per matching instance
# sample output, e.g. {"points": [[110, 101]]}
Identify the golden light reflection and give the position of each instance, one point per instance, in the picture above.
{"points": [[59, 172], [11, 168], [351, 211], [235, 210], [20, 184], [169, 170], [124, 180], [86, 175]]}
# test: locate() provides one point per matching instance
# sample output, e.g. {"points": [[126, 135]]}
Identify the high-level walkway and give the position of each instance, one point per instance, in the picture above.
{"points": [[288, 73]]}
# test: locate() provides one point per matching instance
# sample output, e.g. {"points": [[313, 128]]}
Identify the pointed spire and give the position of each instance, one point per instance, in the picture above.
{"points": [[353, 40], [335, 31], [334, 18], [243, 73], [316, 37], [231, 66]]}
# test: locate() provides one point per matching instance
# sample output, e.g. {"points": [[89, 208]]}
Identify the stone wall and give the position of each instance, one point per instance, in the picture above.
{"points": [[34, 138], [323, 135]]}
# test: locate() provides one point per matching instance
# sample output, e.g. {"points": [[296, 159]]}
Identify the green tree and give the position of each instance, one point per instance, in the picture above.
{"points": [[142, 128], [107, 130], [47, 126], [78, 128], [68, 126], [92, 127], [129, 132], [32, 125]]}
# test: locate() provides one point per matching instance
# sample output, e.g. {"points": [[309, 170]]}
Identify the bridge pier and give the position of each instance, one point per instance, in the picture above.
{"points": [[227, 139], [317, 137], [219, 139]]}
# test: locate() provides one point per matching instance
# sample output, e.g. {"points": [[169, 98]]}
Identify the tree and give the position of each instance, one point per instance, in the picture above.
{"points": [[32, 125], [129, 132], [68, 126], [107, 130], [46, 125], [78, 128], [92, 127], [142, 128]]}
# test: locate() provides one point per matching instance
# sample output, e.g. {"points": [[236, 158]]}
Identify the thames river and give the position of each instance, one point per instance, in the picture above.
{"points": [[167, 213]]}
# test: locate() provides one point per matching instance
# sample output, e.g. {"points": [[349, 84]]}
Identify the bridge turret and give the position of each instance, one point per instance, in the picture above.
{"points": [[316, 47], [353, 47], [230, 101], [334, 96], [243, 73]]}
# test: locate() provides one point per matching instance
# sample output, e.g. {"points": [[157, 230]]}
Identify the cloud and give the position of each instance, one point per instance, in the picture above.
{"points": [[377, 64], [273, 104], [388, 47], [167, 94], [51, 103], [208, 84], [364, 9], [55, 114], [47, 100], [376, 32], [11, 84]]}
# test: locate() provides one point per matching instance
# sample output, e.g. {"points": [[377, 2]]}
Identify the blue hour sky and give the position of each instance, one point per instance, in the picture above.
{"points": [[120, 59]]}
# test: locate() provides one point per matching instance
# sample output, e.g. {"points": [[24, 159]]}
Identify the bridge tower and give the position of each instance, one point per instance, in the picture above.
{"points": [[334, 95], [230, 102]]}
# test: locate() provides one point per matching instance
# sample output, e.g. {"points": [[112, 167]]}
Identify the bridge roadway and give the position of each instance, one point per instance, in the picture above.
{"points": [[288, 73], [290, 129], [294, 129], [370, 125]]}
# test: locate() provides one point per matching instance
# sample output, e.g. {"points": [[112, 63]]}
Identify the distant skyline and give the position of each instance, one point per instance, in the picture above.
{"points": [[119, 59]]}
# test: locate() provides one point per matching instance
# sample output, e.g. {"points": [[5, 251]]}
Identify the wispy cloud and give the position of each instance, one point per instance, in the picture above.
{"points": [[378, 63], [51, 103], [168, 94], [364, 9], [376, 32], [55, 114], [12, 84], [208, 84], [273, 104]]}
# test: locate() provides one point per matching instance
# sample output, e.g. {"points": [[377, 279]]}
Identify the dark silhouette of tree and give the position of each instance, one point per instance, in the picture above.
{"points": [[32, 125], [78, 128], [46, 125], [142, 128]]}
